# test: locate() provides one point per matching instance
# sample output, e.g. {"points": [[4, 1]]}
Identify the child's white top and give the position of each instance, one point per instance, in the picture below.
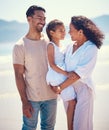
{"points": [[59, 56]]}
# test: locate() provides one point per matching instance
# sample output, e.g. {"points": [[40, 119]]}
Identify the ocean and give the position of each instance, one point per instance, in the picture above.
{"points": [[10, 104]]}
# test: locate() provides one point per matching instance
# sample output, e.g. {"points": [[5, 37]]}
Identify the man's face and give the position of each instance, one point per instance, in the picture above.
{"points": [[37, 21]]}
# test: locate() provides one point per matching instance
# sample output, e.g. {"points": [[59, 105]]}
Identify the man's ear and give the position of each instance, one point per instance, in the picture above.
{"points": [[28, 19]]}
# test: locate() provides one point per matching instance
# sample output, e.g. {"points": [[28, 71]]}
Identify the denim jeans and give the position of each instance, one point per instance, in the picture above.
{"points": [[47, 111]]}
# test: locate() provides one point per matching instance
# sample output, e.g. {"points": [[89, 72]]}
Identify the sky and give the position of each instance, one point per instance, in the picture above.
{"points": [[59, 9]]}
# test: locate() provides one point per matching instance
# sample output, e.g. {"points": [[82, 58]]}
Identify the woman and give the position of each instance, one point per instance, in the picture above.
{"points": [[81, 58]]}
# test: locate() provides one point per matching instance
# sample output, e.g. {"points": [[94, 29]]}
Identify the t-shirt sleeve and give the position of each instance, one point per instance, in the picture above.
{"points": [[18, 54], [87, 62]]}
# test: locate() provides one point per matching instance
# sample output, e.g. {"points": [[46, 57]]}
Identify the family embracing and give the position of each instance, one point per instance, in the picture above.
{"points": [[44, 68]]}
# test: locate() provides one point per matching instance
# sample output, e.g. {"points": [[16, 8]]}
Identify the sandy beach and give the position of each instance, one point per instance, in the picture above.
{"points": [[10, 105]]}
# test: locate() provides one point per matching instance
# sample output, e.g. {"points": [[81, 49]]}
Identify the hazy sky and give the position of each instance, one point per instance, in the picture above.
{"points": [[60, 9]]}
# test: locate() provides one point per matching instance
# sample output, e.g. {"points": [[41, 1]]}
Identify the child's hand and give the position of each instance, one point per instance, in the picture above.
{"points": [[56, 89]]}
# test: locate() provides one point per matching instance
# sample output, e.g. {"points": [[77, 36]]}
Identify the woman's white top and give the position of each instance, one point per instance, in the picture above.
{"points": [[82, 61]]}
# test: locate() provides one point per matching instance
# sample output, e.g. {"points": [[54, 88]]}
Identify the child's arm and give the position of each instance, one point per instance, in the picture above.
{"points": [[50, 53]]}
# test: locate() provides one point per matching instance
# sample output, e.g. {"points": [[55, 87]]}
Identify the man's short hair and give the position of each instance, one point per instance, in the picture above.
{"points": [[32, 9]]}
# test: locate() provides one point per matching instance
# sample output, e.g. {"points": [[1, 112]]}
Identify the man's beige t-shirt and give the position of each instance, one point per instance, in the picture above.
{"points": [[33, 55]]}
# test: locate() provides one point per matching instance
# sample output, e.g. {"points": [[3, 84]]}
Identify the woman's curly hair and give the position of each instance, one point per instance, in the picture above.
{"points": [[90, 30]]}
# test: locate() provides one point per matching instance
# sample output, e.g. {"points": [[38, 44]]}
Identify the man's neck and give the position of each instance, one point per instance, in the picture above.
{"points": [[34, 36]]}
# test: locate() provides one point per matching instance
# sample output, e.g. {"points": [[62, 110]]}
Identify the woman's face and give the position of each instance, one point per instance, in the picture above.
{"points": [[74, 33]]}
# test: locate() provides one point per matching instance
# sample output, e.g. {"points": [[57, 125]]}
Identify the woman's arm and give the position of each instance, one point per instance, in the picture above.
{"points": [[70, 80]]}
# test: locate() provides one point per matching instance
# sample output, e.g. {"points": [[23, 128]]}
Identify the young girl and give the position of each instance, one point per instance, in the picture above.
{"points": [[56, 73]]}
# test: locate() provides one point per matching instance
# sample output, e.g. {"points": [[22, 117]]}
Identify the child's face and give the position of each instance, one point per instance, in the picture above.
{"points": [[59, 33]]}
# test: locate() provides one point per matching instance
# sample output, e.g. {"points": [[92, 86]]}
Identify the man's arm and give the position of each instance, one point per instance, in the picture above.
{"points": [[20, 82]]}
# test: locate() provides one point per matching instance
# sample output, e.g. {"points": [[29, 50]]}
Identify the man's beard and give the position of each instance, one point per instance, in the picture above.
{"points": [[39, 29]]}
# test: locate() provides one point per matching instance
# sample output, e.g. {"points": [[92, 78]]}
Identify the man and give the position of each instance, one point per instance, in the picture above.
{"points": [[30, 66]]}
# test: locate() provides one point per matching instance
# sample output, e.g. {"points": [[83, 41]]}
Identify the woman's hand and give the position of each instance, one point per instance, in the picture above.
{"points": [[70, 74]]}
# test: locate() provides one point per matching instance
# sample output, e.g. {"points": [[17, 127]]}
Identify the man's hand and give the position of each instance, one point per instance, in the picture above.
{"points": [[27, 110]]}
